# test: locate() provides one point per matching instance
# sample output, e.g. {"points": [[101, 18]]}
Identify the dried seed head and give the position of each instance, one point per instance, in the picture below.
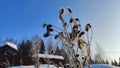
{"points": [[86, 28], [56, 36], [51, 52], [77, 65], [62, 11], [65, 24], [61, 33], [74, 31], [76, 26], [79, 44], [69, 10], [79, 25], [70, 35], [82, 33], [71, 20], [50, 29], [44, 25], [82, 58], [60, 15], [76, 19], [89, 25], [46, 34], [77, 55], [78, 31], [85, 58], [83, 41], [49, 25]]}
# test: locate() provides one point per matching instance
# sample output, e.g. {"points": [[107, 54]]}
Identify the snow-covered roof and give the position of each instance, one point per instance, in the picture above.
{"points": [[11, 45], [50, 56]]}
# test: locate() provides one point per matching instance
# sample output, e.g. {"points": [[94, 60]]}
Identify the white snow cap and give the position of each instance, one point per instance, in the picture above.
{"points": [[11, 45]]}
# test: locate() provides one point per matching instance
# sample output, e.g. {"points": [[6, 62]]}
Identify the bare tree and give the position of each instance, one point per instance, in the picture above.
{"points": [[99, 55], [49, 45], [119, 62], [36, 49]]}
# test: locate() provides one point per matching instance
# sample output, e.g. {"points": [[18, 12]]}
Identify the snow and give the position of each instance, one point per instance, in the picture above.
{"points": [[11, 45], [50, 56], [101, 66], [53, 66]]}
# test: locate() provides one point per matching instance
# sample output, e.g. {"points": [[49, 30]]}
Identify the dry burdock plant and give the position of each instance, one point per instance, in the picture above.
{"points": [[76, 41]]}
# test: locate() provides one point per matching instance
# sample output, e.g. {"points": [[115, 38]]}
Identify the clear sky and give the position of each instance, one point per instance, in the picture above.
{"points": [[19, 19]]}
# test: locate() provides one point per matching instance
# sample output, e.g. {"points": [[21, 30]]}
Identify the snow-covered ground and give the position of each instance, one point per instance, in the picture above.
{"points": [[102, 66], [33, 66], [52, 66]]}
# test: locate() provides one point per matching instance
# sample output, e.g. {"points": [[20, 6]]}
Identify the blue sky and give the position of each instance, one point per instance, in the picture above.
{"points": [[20, 19]]}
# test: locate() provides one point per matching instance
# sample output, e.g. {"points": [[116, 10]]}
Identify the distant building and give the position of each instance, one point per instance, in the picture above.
{"points": [[8, 49], [44, 61]]}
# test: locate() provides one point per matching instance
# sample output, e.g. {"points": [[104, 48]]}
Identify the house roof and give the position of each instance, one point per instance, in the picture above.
{"points": [[50, 56], [11, 45]]}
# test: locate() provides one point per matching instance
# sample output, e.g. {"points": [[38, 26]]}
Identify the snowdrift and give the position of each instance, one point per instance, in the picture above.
{"points": [[101, 66]]}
